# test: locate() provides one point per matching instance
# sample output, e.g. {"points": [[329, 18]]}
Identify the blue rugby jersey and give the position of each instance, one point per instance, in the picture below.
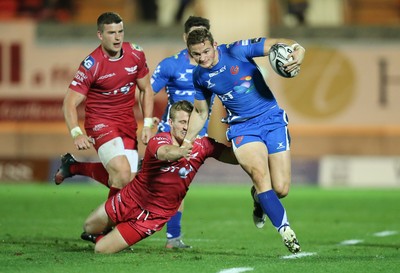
{"points": [[236, 80], [175, 74]]}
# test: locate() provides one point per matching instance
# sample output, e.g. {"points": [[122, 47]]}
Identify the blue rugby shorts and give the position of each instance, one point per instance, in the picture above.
{"points": [[269, 128]]}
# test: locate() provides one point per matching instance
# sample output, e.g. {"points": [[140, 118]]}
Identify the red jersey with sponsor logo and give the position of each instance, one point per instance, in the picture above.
{"points": [[160, 186], [110, 85]]}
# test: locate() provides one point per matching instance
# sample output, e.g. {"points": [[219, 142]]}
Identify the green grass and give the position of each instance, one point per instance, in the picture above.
{"points": [[40, 227]]}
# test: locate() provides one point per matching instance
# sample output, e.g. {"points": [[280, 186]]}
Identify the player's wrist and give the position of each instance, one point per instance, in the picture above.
{"points": [[76, 131], [148, 122], [187, 141]]}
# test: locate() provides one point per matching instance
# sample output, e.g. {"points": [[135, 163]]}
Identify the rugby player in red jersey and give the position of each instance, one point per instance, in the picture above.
{"points": [[106, 81], [144, 205]]}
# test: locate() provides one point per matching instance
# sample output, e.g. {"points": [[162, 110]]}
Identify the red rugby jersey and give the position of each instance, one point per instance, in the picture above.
{"points": [[160, 186], [110, 85]]}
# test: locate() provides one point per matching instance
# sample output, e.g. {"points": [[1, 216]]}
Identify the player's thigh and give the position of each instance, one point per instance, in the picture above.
{"points": [[280, 169], [114, 157], [253, 157], [111, 149], [97, 221], [111, 243], [119, 171]]}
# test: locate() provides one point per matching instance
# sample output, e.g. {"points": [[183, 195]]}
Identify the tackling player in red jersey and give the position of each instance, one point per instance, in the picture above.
{"points": [[106, 81], [144, 205]]}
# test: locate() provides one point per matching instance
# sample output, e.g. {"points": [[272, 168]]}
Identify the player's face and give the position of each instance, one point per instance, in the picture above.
{"points": [[204, 54], [179, 125], [112, 38]]}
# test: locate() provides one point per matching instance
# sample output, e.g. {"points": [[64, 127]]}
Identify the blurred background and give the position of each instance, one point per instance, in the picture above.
{"points": [[343, 106]]}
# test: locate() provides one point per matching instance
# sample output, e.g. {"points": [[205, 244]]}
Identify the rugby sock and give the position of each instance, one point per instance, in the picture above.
{"points": [[94, 170], [113, 191], [273, 208], [98, 238], [174, 226]]}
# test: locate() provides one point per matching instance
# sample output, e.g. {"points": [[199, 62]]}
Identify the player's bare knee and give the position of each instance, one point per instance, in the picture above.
{"points": [[281, 190], [98, 248], [87, 226]]}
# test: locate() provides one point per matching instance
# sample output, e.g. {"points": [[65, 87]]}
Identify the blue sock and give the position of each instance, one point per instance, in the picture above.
{"points": [[273, 208], [174, 226]]}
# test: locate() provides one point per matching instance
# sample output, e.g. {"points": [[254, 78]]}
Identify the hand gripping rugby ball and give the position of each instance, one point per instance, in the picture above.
{"points": [[278, 56]]}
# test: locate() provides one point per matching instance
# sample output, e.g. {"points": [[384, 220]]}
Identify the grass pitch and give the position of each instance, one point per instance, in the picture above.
{"points": [[340, 230]]}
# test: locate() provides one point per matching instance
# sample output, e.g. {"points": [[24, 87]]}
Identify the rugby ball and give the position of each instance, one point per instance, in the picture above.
{"points": [[278, 56]]}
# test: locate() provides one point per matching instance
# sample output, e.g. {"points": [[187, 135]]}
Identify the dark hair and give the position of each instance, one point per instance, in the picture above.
{"points": [[182, 105], [108, 18], [195, 21], [199, 36]]}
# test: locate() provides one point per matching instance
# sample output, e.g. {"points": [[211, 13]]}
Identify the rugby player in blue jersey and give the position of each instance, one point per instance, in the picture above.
{"points": [[174, 75], [257, 125]]}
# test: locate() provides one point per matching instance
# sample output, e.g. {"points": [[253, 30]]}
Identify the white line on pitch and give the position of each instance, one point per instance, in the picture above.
{"points": [[351, 242], [236, 270], [299, 255], [385, 233]]}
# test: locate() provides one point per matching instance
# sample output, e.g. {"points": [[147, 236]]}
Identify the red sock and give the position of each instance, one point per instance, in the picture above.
{"points": [[98, 238], [113, 191], [94, 170]]}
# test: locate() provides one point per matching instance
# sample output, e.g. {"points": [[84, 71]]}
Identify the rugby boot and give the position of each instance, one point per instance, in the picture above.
{"points": [[289, 239], [176, 243], [64, 170]]}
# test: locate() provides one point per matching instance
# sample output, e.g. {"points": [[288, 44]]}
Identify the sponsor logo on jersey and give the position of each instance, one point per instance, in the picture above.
{"points": [[103, 135], [131, 70], [246, 78], [124, 90], [157, 71], [80, 76], [158, 138], [234, 70], [107, 76], [184, 93], [74, 83], [136, 47], [194, 155], [280, 146], [238, 140], [222, 69], [88, 62], [182, 77], [227, 96], [183, 172], [98, 127], [210, 84]]}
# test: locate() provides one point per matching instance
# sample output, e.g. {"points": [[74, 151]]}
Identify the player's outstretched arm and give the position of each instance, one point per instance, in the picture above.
{"points": [[173, 152], [228, 156], [197, 119]]}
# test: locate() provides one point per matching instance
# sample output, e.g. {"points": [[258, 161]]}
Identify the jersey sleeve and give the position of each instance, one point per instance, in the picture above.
{"points": [[156, 142], [212, 147], [247, 49], [161, 75], [83, 78], [143, 69]]}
